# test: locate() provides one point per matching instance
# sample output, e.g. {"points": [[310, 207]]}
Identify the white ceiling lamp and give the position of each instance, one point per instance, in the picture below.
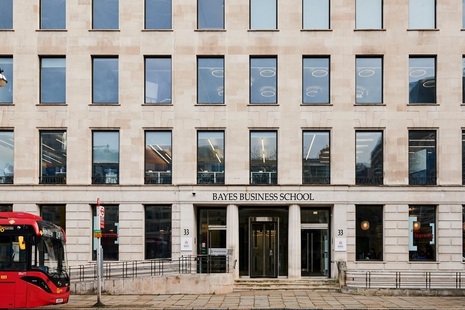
{"points": [[3, 80]]}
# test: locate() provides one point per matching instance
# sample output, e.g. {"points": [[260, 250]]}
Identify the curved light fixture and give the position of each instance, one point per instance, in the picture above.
{"points": [[416, 225], [3, 80], [365, 225]]}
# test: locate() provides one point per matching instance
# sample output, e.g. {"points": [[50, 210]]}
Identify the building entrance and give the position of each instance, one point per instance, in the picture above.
{"points": [[314, 254], [263, 247]]}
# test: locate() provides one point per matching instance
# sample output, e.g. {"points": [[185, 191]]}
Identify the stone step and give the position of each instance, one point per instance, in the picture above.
{"points": [[286, 284]]}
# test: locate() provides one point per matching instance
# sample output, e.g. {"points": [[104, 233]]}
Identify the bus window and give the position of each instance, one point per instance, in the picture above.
{"points": [[12, 253]]}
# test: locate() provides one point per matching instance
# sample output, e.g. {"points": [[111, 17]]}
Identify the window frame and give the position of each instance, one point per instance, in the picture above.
{"points": [[413, 13], [253, 9], [370, 169], [47, 84], [367, 221], [307, 86], [420, 227], [306, 154], [156, 101], [106, 85], [413, 78], [264, 177], [7, 92], [7, 159], [165, 210], [53, 169], [415, 162], [155, 176], [266, 88], [199, 14], [219, 89], [308, 9], [7, 11], [112, 219], [54, 7], [146, 16], [360, 79], [365, 26], [109, 177], [211, 176], [114, 24]]}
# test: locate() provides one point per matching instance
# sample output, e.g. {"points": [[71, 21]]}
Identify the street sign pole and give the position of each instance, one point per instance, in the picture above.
{"points": [[98, 234]]}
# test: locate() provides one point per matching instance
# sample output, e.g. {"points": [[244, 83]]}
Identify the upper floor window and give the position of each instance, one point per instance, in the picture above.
{"points": [[210, 157], [369, 158], [263, 14], [422, 233], [463, 78], [263, 80], [7, 158], [315, 88], [369, 80], [369, 14], [315, 14], [422, 14], [105, 80], [158, 80], [463, 233], [463, 22], [158, 157], [463, 158], [53, 157], [6, 92], [158, 229], [158, 14], [52, 14], [422, 80], [422, 157], [369, 232], [210, 14], [105, 157], [52, 80], [6, 14], [316, 157], [210, 80], [263, 157], [105, 14]]}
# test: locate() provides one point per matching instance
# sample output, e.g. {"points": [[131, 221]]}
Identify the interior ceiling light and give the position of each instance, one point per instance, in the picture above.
{"points": [[3, 80], [417, 72], [267, 72], [320, 72], [366, 73]]}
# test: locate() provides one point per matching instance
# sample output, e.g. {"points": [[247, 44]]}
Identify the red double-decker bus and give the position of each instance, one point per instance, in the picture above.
{"points": [[32, 262]]}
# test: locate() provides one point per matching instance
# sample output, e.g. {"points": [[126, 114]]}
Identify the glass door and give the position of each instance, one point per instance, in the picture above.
{"points": [[263, 251], [315, 245]]}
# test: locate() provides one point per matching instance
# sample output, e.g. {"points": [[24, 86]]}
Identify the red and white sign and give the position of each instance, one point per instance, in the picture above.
{"points": [[101, 214]]}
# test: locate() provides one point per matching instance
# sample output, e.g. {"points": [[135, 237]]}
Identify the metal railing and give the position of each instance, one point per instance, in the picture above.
{"points": [[157, 267], [406, 279]]}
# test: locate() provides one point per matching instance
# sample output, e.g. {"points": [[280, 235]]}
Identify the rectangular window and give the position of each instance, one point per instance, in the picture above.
{"points": [[263, 80], [369, 80], [463, 157], [369, 14], [210, 14], [316, 157], [158, 14], [369, 158], [105, 157], [463, 233], [369, 232], [110, 233], [55, 214], [157, 232], [422, 157], [53, 157], [158, 80], [6, 92], [263, 157], [105, 14], [463, 14], [158, 157], [212, 240], [210, 80], [315, 88], [210, 157], [422, 233], [463, 78], [105, 80], [263, 14], [422, 80], [315, 14], [53, 80], [422, 14], [6, 14], [6, 157], [52, 14], [6, 207]]}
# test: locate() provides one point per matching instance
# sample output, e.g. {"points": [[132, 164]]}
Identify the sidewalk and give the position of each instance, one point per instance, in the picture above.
{"points": [[264, 300]]}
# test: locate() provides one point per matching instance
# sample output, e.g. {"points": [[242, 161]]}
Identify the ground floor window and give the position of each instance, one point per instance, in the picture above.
{"points": [[55, 214], [369, 232], [6, 208], [422, 231], [110, 238], [157, 232]]}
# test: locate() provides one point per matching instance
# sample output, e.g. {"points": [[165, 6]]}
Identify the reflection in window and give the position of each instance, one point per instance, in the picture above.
{"points": [[422, 233], [6, 92], [210, 80], [105, 80], [105, 157], [369, 158], [6, 14], [110, 233], [105, 14], [263, 157], [422, 14], [316, 157], [52, 14], [6, 157], [53, 80], [263, 80], [212, 240], [6, 208], [210, 14], [158, 14], [369, 232], [157, 232], [55, 214], [315, 14], [210, 157], [53, 157], [422, 157], [369, 14], [369, 80], [158, 81], [158, 159], [263, 14], [422, 80], [315, 88]]}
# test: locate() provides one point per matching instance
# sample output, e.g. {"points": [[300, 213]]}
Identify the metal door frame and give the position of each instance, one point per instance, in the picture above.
{"points": [[264, 220], [321, 227]]}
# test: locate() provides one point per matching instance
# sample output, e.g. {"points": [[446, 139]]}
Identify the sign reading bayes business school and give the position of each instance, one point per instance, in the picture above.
{"points": [[268, 196]]}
